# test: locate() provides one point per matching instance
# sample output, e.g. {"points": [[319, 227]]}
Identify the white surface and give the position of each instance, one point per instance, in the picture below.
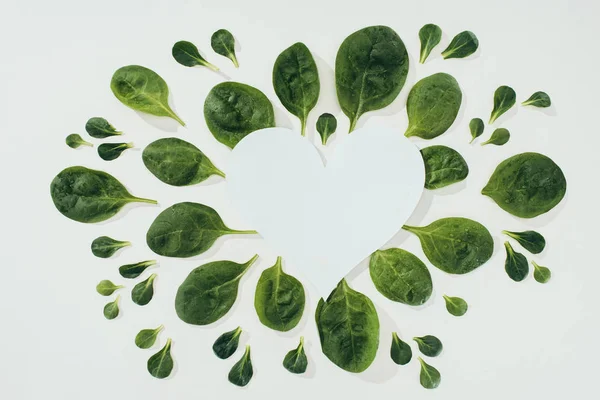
{"points": [[324, 220], [518, 340]]}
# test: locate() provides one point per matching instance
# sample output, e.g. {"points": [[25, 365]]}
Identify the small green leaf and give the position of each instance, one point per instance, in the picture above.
{"points": [[227, 343], [131, 271], [400, 352], [532, 241], [143, 292], [429, 345], [504, 98], [112, 151], [430, 36], [541, 274], [242, 371], [443, 166], [476, 127], [516, 265], [430, 377], [104, 246], [223, 43], [500, 137], [100, 128], [160, 365], [187, 54], [111, 310], [74, 141], [462, 45], [147, 337], [295, 361], [538, 99], [106, 287], [326, 126], [456, 306]]}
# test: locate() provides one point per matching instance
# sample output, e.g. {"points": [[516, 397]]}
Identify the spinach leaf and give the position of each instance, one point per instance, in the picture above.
{"points": [[143, 292], [504, 98], [326, 126], [532, 241], [100, 128], [499, 137], [209, 291], [430, 377], [186, 230], [87, 195], [143, 90], [462, 45], [432, 106], [541, 274], [112, 151], [476, 127], [160, 365], [370, 69], [111, 310], [430, 36], [456, 306], [538, 99], [295, 360], [74, 141], [131, 271], [348, 328], [227, 343], [106, 287], [400, 276], [147, 337], [223, 43], [296, 81], [242, 372], [429, 345], [177, 162], [516, 265], [279, 299], [455, 245], [443, 166], [104, 246], [526, 185], [400, 352], [233, 110], [187, 54]]}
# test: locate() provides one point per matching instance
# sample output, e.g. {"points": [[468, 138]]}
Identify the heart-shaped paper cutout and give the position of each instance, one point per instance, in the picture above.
{"points": [[324, 220]]}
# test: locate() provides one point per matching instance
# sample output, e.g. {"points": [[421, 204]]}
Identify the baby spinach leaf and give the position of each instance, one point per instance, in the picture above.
{"points": [[112, 151], [504, 98], [430, 377], [455, 245], [295, 360], [429, 345], [279, 299], [526, 185], [541, 274], [499, 137], [160, 365], [233, 110], [131, 271], [538, 99], [432, 106], [223, 43], [100, 128], [348, 328], [532, 241], [400, 352], [209, 291], [187, 54], [177, 162], [147, 337], [106, 287], [227, 343], [296, 81], [143, 90], [476, 127], [111, 310], [242, 372], [74, 141], [370, 69], [87, 195], [430, 36], [462, 45], [456, 306], [104, 246], [326, 126], [186, 230], [400, 276], [516, 265], [443, 166], [143, 292]]}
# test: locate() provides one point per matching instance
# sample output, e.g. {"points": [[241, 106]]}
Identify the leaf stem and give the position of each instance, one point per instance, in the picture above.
{"points": [[248, 232], [353, 122], [303, 126], [142, 200], [234, 60], [211, 66]]}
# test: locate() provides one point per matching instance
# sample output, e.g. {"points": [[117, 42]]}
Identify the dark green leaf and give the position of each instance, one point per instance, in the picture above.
{"points": [[106, 287], [430, 36], [227, 343], [541, 274], [538, 99], [326, 126], [147, 337], [295, 360], [160, 365], [131, 271], [462, 45], [111, 310], [74, 141], [530, 240], [504, 98], [104, 246], [223, 43], [400, 352], [242, 372], [456, 306], [112, 151], [143, 292], [516, 265], [443, 166], [499, 137], [100, 128], [187, 54], [430, 377], [429, 345], [476, 127]]}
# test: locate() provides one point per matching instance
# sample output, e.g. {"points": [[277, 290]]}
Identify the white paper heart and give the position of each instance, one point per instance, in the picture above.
{"points": [[325, 220]]}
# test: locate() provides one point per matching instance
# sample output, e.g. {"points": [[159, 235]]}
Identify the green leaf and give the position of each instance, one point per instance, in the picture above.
{"points": [[532, 241], [455, 245], [106, 287], [160, 365], [227, 343], [348, 328], [112, 151], [504, 98], [295, 360], [242, 372], [456, 306], [326, 126], [147, 337], [476, 127], [443, 166], [541, 274], [100, 128], [187, 54], [143, 292], [143, 90], [430, 377], [279, 299], [370, 70], [111, 310], [186, 230], [209, 291], [87, 195], [223, 43], [526, 185], [105, 247], [233, 110], [462, 45], [296, 81], [131, 271], [400, 352], [430, 36], [516, 265], [400, 276], [74, 141], [538, 99], [499, 137], [429, 345], [432, 106]]}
